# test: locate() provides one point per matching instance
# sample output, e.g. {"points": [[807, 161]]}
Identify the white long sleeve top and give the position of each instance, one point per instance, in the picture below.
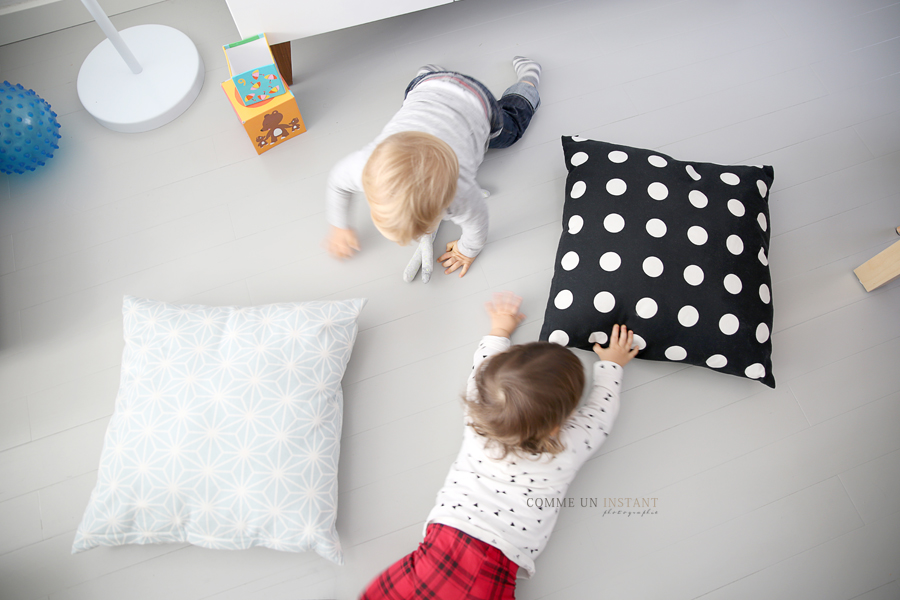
{"points": [[446, 109], [495, 500]]}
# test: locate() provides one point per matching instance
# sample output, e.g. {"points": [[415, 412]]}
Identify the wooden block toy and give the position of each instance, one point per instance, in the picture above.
{"points": [[880, 269], [270, 122], [253, 71]]}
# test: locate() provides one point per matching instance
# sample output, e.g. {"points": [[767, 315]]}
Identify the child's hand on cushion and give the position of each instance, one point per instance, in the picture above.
{"points": [[504, 313], [621, 347], [341, 243], [453, 259]]}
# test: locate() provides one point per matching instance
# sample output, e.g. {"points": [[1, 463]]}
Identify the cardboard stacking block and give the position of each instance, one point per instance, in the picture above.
{"points": [[253, 71], [270, 122]]}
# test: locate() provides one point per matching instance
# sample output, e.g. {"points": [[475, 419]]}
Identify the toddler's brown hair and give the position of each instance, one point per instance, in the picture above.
{"points": [[524, 395], [409, 180]]}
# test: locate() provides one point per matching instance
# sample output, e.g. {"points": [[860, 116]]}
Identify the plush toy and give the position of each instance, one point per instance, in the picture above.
{"points": [[28, 129]]}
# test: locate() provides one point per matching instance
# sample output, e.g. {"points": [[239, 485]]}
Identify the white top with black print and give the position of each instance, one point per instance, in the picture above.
{"points": [[513, 503]]}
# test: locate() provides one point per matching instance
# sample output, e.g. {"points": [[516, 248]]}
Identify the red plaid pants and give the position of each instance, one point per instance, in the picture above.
{"points": [[448, 565]]}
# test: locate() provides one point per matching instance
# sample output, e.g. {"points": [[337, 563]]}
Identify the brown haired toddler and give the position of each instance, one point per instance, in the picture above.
{"points": [[524, 441]]}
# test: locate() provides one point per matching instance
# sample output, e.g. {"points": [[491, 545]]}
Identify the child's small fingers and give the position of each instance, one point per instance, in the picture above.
{"points": [[509, 302], [520, 317]]}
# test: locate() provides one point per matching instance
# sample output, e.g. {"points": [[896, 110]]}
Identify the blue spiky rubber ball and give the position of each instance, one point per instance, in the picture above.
{"points": [[28, 129]]}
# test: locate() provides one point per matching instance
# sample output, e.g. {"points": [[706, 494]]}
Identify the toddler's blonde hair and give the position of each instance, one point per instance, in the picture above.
{"points": [[524, 394], [409, 180]]}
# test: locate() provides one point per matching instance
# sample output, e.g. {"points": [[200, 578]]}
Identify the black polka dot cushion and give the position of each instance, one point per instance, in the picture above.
{"points": [[677, 251]]}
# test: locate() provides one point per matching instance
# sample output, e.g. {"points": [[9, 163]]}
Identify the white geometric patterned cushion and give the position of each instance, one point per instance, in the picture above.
{"points": [[227, 426]]}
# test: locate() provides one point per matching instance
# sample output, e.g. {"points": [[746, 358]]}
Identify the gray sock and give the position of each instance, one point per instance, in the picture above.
{"points": [[431, 69], [527, 70]]}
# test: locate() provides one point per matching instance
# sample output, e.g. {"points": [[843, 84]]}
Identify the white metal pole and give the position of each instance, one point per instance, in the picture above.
{"points": [[113, 35]]}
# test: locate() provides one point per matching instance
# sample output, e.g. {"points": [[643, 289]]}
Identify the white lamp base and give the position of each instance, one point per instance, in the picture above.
{"points": [[169, 83]]}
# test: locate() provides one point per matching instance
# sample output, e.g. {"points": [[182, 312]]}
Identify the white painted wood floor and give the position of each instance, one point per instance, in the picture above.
{"points": [[792, 493]]}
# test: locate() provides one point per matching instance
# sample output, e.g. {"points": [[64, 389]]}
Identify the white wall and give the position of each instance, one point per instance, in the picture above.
{"points": [[22, 20]]}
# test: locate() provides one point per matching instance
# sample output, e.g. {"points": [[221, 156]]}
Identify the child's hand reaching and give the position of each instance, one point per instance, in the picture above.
{"points": [[341, 243], [504, 312], [621, 346], [453, 259]]}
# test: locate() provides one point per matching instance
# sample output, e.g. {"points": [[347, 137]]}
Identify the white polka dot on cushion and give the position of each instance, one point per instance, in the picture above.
{"points": [[698, 198], [697, 235], [569, 261], [559, 337], [762, 333], [755, 371], [734, 244], [728, 324], [617, 156], [646, 308], [610, 261], [578, 138], [763, 188], [676, 353], [693, 275], [761, 219], [692, 172], [764, 294], [598, 337], [762, 257], [575, 224], [604, 302], [579, 158], [616, 187], [716, 361], [640, 342], [652, 266], [656, 228], [657, 161], [658, 191], [736, 207], [614, 223], [733, 284], [563, 300], [730, 178], [578, 189], [688, 316]]}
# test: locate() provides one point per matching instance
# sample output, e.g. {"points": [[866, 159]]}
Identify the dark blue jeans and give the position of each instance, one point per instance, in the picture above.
{"points": [[510, 115], [516, 109]]}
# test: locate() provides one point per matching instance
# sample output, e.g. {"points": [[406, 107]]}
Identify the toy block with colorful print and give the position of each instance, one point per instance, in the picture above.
{"points": [[268, 122], [253, 71]]}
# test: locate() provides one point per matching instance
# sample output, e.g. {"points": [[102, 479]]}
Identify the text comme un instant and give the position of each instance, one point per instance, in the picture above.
{"points": [[592, 502]]}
